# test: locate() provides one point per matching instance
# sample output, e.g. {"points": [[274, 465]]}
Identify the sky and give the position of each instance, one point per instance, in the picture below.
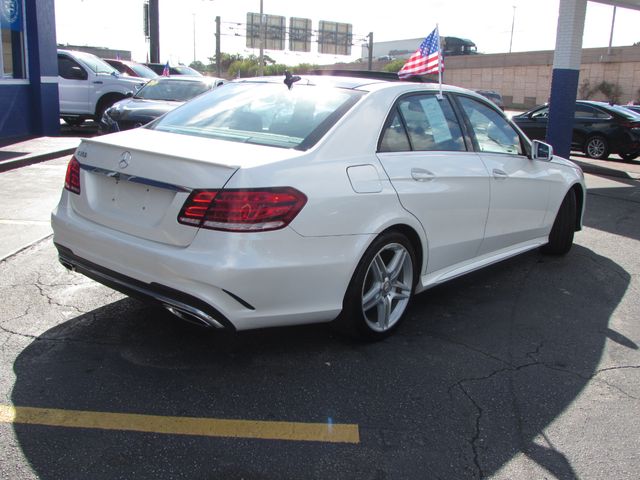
{"points": [[118, 24]]}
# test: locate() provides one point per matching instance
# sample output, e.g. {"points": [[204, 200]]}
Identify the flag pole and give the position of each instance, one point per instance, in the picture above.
{"points": [[439, 60]]}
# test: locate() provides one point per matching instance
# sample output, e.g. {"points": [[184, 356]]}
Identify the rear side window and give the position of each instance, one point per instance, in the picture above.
{"points": [[493, 133], [422, 123]]}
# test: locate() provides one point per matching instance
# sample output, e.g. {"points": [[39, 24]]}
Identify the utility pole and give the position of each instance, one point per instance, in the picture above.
{"points": [[218, 59], [370, 50], [154, 32]]}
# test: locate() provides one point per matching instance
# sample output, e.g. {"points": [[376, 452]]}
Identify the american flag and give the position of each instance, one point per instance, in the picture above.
{"points": [[427, 59], [165, 70]]}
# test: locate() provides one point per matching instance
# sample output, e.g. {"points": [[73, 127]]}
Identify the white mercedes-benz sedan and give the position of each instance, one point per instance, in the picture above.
{"points": [[322, 198]]}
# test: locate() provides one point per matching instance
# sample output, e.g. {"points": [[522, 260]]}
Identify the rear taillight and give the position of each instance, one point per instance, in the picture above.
{"points": [[630, 124], [72, 179], [248, 210]]}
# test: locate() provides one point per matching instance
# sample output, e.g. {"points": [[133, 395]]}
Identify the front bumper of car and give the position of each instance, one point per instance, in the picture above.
{"points": [[231, 280]]}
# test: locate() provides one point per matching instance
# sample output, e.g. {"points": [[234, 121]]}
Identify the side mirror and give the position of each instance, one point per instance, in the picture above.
{"points": [[78, 73], [128, 94], [541, 151]]}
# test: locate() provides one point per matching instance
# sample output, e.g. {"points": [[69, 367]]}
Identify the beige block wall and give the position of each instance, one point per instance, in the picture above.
{"points": [[524, 79]]}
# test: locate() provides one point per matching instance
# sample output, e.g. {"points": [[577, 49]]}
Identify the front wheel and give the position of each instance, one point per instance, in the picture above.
{"points": [[381, 288], [561, 236], [597, 147]]}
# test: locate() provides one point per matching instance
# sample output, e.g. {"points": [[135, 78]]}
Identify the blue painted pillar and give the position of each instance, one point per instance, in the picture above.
{"points": [[43, 67], [566, 73]]}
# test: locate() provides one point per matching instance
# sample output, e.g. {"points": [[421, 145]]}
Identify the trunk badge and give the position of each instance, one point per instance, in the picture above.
{"points": [[125, 159]]}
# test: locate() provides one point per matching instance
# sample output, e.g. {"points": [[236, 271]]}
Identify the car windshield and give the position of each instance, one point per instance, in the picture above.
{"points": [[262, 113], [96, 64], [172, 90], [142, 70]]}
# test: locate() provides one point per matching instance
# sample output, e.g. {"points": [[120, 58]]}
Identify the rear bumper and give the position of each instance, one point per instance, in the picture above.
{"points": [[238, 280], [183, 305]]}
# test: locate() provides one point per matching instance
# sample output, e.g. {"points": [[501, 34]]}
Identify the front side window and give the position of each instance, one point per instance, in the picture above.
{"points": [[493, 133], [70, 69], [261, 113], [12, 56], [422, 123]]}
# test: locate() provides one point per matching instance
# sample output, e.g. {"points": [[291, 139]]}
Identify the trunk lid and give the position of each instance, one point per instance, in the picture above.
{"points": [[137, 181]]}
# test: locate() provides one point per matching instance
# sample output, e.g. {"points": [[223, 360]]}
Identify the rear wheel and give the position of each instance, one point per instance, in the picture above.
{"points": [[597, 147], [381, 288], [73, 121], [629, 156], [561, 236]]}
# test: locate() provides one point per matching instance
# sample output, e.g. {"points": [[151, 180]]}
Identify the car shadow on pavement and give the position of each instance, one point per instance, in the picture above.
{"points": [[476, 376], [618, 216]]}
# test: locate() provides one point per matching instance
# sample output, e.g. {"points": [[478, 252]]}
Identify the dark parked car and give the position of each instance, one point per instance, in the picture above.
{"points": [[492, 95], [157, 97], [633, 108], [599, 129], [130, 68], [175, 70]]}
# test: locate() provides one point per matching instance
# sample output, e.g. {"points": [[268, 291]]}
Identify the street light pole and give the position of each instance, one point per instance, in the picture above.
{"points": [[513, 22], [194, 37], [613, 22]]}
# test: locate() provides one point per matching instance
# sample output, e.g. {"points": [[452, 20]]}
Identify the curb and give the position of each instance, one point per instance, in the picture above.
{"points": [[31, 159], [608, 172]]}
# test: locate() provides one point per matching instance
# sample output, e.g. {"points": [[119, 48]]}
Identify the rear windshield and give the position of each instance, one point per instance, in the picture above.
{"points": [[142, 70], [172, 90], [94, 63], [625, 112], [262, 113]]}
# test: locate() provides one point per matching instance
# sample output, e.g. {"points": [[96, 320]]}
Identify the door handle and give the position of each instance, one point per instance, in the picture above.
{"points": [[421, 175], [99, 82], [499, 174]]}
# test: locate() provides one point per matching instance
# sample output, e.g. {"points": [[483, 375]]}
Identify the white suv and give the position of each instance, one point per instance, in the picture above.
{"points": [[87, 86]]}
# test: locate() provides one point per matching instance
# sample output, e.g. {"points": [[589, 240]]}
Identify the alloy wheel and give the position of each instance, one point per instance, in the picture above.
{"points": [[387, 287]]}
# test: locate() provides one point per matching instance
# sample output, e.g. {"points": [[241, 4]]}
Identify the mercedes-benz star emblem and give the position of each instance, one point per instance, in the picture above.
{"points": [[125, 159]]}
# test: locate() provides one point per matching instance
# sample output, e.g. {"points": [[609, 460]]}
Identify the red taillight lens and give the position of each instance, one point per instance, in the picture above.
{"points": [[250, 210], [72, 179]]}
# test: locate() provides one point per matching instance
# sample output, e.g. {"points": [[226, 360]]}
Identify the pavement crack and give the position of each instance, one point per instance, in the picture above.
{"points": [[50, 300], [470, 348], [476, 434], [42, 338]]}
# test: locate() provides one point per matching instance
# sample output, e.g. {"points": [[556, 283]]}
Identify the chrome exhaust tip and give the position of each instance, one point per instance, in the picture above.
{"points": [[194, 316]]}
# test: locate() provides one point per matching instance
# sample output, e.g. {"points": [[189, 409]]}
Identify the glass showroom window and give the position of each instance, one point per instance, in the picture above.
{"points": [[12, 61]]}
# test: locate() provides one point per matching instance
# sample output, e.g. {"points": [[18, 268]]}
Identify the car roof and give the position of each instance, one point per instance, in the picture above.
{"points": [[357, 83], [188, 78]]}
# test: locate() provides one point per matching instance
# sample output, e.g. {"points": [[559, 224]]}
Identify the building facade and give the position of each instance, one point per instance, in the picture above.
{"points": [[28, 69]]}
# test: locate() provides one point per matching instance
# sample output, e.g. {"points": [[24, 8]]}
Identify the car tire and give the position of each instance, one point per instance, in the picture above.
{"points": [[629, 156], [597, 147], [105, 102], [561, 235], [73, 121], [381, 288]]}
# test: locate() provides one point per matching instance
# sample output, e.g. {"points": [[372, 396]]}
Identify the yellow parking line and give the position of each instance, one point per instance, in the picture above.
{"points": [[209, 427]]}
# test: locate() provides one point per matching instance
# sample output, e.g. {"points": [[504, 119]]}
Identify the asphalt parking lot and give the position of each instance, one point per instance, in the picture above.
{"points": [[526, 370]]}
